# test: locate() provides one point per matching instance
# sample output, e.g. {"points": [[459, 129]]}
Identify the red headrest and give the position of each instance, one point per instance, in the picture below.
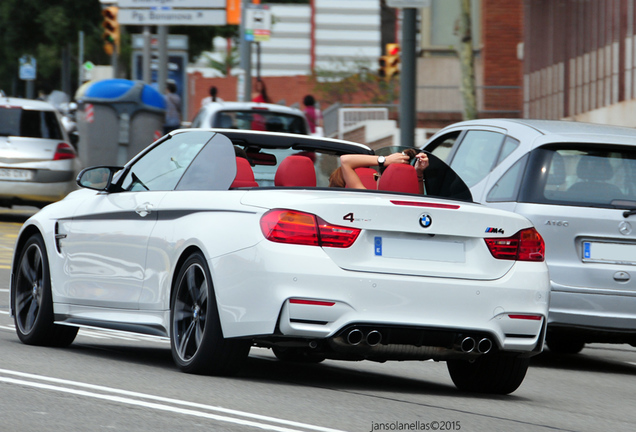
{"points": [[295, 170], [399, 178], [368, 177], [244, 174]]}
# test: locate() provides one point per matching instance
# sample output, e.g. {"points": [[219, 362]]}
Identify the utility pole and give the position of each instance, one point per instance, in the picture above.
{"points": [[407, 79], [245, 55], [162, 73]]}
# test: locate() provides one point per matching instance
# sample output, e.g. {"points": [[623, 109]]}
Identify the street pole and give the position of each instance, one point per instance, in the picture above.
{"points": [[80, 60], [245, 55], [162, 75], [146, 75], [407, 79]]}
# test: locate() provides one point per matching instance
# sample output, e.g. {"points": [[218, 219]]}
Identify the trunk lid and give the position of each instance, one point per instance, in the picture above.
{"points": [[407, 235]]}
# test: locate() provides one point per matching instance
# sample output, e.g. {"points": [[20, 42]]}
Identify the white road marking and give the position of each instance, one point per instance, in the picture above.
{"points": [[193, 409], [4, 290]]}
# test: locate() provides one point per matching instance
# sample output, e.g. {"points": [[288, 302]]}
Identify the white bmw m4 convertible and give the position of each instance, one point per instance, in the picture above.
{"points": [[221, 240]]}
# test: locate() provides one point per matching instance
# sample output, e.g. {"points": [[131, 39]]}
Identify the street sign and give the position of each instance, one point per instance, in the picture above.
{"points": [[408, 3], [192, 4], [168, 16], [258, 23], [28, 68]]}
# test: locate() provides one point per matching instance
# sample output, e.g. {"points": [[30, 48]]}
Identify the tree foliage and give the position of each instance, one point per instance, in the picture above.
{"points": [[43, 28], [354, 83]]}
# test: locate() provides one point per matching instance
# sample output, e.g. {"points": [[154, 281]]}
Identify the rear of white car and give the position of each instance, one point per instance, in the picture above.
{"points": [[38, 164], [430, 272]]}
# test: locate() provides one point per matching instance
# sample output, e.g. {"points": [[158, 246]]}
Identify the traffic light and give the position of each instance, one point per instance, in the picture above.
{"points": [[389, 64], [110, 36]]}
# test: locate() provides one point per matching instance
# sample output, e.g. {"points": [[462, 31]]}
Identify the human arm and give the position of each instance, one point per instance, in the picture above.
{"points": [[421, 163], [350, 162]]}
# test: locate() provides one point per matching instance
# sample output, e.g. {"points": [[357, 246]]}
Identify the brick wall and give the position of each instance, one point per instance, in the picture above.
{"points": [[502, 31]]}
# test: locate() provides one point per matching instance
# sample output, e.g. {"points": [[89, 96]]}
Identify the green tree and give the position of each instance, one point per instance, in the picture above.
{"points": [[43, 29], [47, 28], [348, 83]]}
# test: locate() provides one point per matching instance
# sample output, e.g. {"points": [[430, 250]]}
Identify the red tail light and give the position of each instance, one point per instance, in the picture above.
{"points": [[294, 227], [64, 151], [526, 245]]}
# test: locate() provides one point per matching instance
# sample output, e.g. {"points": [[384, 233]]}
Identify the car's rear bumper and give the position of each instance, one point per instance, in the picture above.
{"points": [[502, 308], [593, 312], [33, 193]]}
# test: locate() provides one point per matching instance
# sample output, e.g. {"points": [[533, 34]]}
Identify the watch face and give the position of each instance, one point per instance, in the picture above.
{"points": [[381, 159]]}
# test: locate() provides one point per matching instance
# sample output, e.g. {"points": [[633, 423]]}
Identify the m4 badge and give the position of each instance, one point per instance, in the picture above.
{"points": [[495, 230]]}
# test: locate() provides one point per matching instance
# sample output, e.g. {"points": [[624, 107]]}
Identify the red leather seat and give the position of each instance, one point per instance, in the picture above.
{"points": [[244, 174], [399, 178], [368, 177], [296, 170]]}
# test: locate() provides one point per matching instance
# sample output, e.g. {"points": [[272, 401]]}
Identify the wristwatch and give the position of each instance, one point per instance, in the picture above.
{"points": [[381, 160]]}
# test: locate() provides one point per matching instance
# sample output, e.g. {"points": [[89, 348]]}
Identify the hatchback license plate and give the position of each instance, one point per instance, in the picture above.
{"points": [[622, 253], [15, 174]]}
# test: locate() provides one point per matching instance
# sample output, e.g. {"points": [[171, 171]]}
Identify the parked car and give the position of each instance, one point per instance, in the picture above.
{"points": [[577, 183], [38, 164], [251, 116], [183, 242]]}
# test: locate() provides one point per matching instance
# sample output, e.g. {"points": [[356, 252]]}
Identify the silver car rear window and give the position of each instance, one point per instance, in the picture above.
{"points": [[15, 121], [261, 120], [584, 175]]}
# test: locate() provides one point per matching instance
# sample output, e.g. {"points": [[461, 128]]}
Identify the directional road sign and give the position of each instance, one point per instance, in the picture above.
{"points": [[167, 16]]}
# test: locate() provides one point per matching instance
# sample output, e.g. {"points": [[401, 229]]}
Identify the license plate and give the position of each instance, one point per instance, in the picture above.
{"points": [[618, 253], [15, 174], [419, 249]]}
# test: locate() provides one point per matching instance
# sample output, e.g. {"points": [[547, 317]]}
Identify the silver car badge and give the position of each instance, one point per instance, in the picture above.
{"points": [[425, 220], [625, 228]]}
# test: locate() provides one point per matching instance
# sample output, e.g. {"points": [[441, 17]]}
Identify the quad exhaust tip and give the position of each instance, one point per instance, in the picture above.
{"points": [[356, 337], [374, 338], [484, 346], [469, 344]]}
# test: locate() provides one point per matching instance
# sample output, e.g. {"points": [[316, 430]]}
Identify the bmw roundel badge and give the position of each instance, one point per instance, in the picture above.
{"points": [[426, 220]]}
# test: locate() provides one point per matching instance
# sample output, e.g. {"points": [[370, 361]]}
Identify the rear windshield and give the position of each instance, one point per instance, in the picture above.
{"points": [[260, 120], [15, 121], [585, 175]]}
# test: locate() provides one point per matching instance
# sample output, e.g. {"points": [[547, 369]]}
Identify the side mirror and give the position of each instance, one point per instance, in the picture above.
{"points": [[97, 178]]}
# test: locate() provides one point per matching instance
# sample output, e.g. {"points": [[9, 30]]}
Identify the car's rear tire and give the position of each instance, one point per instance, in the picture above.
{"points": [[33, 301], [297, 355], [561, 344], [496, 373], [197, 341]]}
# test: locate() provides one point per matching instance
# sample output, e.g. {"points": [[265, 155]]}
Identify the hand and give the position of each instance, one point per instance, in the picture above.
{"points": [[421, 163], [396, 158]]}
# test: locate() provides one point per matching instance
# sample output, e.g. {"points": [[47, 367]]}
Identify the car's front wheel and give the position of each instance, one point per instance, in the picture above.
{"points": [[496, 373], [32, 299], [197, 341]]}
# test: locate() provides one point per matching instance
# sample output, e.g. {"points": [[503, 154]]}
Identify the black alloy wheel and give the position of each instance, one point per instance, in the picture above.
{"points": [[197, 341], [33, 302]]}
